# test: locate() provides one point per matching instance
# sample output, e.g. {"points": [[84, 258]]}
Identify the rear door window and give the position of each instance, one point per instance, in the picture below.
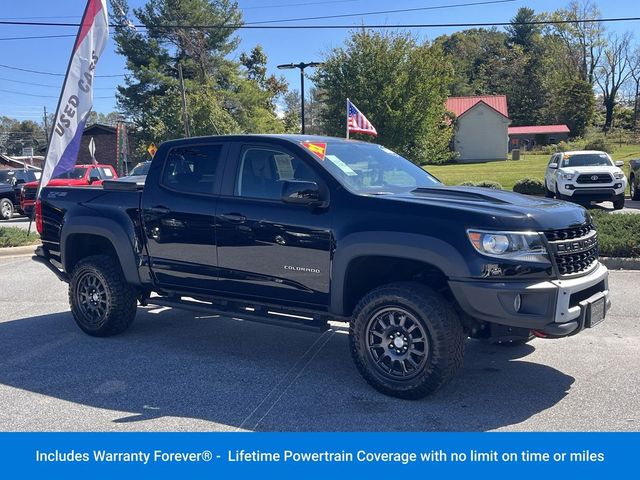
{"points": [[192, 169]]}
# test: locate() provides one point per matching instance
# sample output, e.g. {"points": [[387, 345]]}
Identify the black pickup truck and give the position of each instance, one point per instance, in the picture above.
{"points": [[299, 230]]}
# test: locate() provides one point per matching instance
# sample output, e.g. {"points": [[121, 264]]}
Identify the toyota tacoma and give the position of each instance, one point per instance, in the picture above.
{"points": [[299, 230]]}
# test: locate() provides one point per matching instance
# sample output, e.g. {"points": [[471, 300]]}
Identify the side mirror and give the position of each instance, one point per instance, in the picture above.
{"points": [[619, 163], [553, 166], [300, 192]]}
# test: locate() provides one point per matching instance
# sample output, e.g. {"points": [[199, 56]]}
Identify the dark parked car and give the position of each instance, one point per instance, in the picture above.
{"points": [[297, 230], [12, 182]]}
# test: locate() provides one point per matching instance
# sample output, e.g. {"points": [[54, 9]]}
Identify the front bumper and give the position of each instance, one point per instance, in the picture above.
{"points": [[593, 193], [554, 308]]}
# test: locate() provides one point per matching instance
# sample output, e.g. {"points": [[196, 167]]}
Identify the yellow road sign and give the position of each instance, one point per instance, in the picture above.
{"points": [[152, 149]]}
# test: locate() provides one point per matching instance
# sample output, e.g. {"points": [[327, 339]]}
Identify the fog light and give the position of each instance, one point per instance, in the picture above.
{"points": [[617, 185], [569, 187], [517, 303]]}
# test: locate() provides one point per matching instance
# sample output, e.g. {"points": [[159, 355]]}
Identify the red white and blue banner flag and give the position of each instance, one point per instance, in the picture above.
{"points": [[357, 122], [76, 98]]}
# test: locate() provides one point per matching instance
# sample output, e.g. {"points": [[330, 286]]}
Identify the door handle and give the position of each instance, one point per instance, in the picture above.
{"points": [[233, 217], [160, 210]]}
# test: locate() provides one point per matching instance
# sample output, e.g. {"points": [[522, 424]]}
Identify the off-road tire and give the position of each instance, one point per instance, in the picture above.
{"points": [[116, 308], [6, 209], [618, 203], [437, 318], [634, 190]]}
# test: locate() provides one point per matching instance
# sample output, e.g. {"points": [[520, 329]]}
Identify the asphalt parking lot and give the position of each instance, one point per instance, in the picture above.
{"points": [[178, 371]]}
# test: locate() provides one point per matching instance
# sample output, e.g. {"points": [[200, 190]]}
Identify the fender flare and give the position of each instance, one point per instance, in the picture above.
{"points": [[421, 248], [110, 230]]}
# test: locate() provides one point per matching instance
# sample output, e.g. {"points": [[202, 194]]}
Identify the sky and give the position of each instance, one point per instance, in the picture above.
{"points": [[22, 100]]}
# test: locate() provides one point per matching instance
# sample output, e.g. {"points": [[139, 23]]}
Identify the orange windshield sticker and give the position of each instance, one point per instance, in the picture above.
{"points": [[318, 149]]}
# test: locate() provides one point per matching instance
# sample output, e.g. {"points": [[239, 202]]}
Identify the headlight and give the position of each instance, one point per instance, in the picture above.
{"points": [[618, 175], [567, 176], [522, 246]]}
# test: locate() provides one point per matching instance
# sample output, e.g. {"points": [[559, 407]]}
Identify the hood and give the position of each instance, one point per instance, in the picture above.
{"points": [[506, 210], [588, 170]]}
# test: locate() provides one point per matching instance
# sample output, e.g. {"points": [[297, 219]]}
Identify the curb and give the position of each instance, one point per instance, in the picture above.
{"points": [[27, 250], [621, 263]]}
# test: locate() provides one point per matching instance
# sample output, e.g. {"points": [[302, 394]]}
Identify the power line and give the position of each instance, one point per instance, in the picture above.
{"points": [[27, 18], [340, 27], [299, 4], [381, 12], [20, 82], [37, 37], [50, 73], [40, 96]]}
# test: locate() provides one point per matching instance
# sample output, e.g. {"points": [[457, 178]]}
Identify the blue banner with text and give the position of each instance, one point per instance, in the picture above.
{"points": [[527, 455]]}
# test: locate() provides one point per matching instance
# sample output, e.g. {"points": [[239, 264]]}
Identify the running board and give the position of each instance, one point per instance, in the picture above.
{"points": [[253, 314]]}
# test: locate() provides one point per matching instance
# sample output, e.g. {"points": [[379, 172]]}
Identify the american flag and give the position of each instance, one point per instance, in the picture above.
{"points": [[357, 122]]}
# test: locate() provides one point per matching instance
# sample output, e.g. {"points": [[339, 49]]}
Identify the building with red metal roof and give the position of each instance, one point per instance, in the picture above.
{"points": [[481, 124]]}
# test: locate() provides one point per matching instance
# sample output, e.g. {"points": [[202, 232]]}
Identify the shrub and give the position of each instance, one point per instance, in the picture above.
{"points": [[467, 184], [529, 186], [16, 237], [598, 144], [618, 233], [489, 184]]}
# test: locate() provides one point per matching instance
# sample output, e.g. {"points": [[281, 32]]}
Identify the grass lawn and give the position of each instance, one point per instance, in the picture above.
{"points": [[509, 172]]}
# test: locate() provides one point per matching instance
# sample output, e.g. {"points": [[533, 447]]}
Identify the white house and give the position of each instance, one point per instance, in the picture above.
{"points": [[481, 127]]}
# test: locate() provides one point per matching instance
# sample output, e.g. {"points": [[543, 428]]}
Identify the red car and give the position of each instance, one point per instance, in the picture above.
{"points": [[81, 175]]}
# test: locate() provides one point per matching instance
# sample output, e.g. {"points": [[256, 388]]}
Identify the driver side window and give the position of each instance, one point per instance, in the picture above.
{"points": [[263, 170]]}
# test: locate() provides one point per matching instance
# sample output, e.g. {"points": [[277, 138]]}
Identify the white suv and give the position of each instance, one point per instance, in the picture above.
{"points": [[584, 177]]}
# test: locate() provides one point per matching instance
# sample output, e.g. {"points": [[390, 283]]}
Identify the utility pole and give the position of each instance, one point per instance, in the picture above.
{"points": [[185, 115], [46, 126], [301, 66]]}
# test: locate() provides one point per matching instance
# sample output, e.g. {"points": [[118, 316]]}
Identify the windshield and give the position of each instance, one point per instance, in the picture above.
{"points": [[373, 169], [587, 160], [75, 174], [140, 169]]}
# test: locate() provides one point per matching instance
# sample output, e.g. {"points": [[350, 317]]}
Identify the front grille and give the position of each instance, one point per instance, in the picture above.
{"points": [[570, 264], [29, 193], [594, 178], [569, 233], [574, 250]]}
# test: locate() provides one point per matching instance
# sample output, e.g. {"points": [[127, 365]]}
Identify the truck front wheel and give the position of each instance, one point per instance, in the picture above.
{"points": [[406, 340], [6, 209], [102, 302]]}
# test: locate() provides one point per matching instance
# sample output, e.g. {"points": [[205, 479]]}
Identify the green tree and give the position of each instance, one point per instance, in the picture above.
{"points": [[16, 135], [399, 85], [522, 31], [470, 52], [575, 105], [583, 42], [223, 96], [291, 113]]}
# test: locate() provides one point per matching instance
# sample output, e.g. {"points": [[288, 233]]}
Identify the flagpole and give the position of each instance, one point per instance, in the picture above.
{"points": [[53, 126], [347, 137]]}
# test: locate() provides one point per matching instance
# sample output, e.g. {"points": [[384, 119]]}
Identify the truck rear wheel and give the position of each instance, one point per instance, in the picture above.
{"points": [[406, 340], [102, 302]]}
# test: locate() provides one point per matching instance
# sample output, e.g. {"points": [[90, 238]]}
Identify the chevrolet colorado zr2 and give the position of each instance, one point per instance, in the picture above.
{"points": [[299, 230]]}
